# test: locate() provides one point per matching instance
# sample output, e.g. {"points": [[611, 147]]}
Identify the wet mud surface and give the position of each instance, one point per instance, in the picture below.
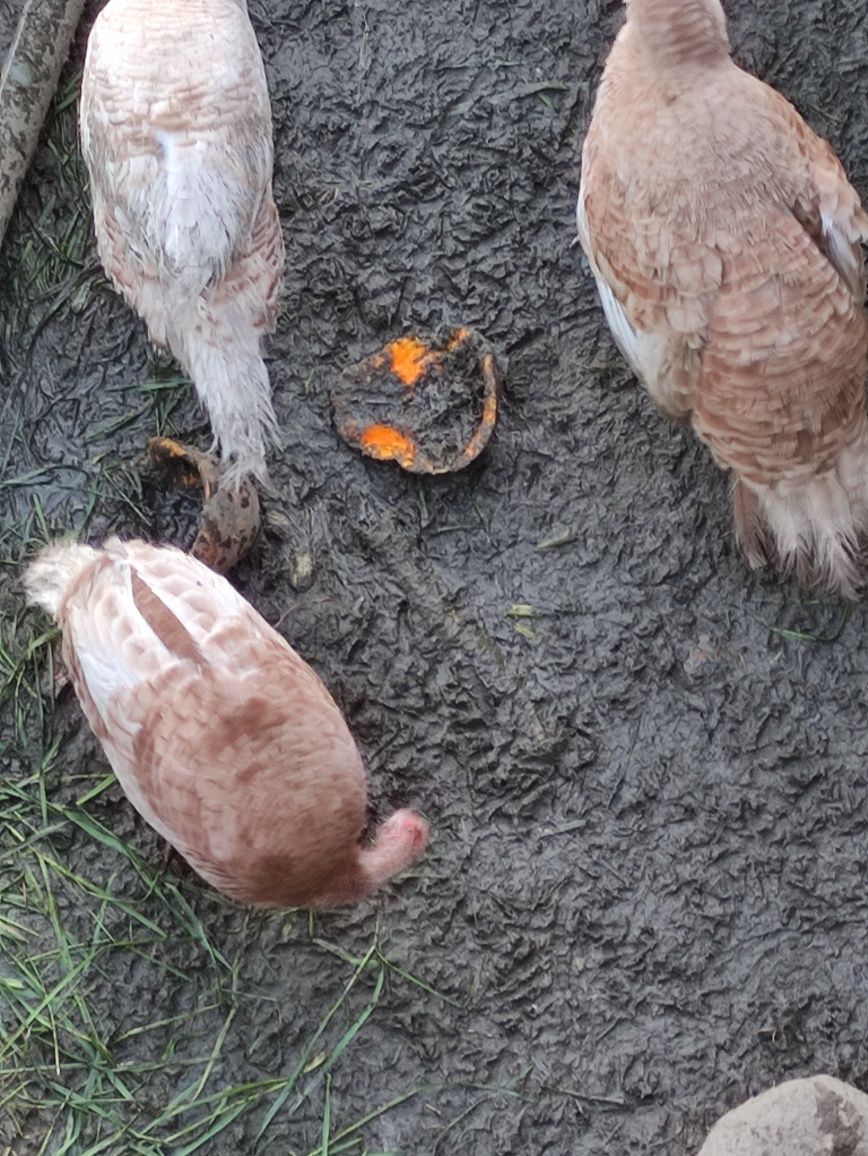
{"points": [[646, 769]]}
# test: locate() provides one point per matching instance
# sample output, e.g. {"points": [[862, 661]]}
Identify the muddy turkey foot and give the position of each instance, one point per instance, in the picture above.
{"points": [[230, 519]]}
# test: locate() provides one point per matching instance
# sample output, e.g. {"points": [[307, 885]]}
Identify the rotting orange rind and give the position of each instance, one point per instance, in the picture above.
{"points": [[409, 358], [178, 460], [480, 437]]}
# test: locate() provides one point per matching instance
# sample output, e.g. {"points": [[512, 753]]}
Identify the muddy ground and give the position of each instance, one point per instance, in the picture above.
{"points": [[646, 887]]}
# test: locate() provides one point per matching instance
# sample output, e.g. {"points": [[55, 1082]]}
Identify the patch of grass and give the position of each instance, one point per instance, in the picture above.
{"points": [[72, 1074], [159, 397], [26, 662], [165, 396], [322, 1063], [60, 1064], [390, 965], [68, 1071], [120, 485], [27, 639], [349, 1137], [54, 267], [805, 636]]}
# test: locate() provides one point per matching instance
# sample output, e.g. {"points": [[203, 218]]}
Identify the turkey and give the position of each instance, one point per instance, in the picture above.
{"points": [[176, 134], [223, 739], [725, 240]]}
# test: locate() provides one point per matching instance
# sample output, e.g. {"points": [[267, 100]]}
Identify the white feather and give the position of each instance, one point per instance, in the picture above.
{"points": [[846, 255], [50, 575], [626, 337]]}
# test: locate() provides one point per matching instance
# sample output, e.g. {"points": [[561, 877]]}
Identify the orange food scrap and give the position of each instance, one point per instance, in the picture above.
{"points": [[168, 447], [179, 459], [489, 416], [410, 359], [386, 443], [489, 410]]}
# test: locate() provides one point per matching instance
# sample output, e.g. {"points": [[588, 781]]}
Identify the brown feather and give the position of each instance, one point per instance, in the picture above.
{"points": [[163, 622]]}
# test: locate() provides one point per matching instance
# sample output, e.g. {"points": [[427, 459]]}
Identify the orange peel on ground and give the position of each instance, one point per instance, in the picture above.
{"points": [[393, 387]]}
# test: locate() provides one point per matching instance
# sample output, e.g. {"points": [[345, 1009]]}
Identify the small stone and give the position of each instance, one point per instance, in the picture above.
{"points": [[820, 1116], [301, 570]]}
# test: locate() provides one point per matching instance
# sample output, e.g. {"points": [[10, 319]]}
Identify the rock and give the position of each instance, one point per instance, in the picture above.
{"points": [[820, 1116]]}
